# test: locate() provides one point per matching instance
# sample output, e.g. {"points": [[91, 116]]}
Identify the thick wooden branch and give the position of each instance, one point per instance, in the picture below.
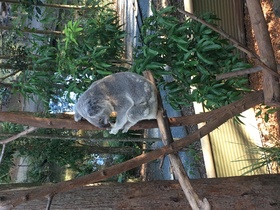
{"points": [[271, 86], [60, 122], [224, 114], [176, 163], [243, 192]]}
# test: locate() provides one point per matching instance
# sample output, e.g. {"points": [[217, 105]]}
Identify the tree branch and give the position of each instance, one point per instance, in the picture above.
{"points": [[59, 6], [271, 86], [4, 142], [225, 113], [7, 85], [32, 30], [9, 75], [27, 118], [236, 44], [243, 72], [176, 163], [2, 152], [23, 133]]}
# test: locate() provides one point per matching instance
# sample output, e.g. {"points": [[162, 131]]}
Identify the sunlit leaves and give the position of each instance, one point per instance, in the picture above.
{"points": [[71, 31], [193, 55]]}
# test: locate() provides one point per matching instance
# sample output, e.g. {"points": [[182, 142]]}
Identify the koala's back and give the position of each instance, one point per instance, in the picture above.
{"points": [[118, 84]]}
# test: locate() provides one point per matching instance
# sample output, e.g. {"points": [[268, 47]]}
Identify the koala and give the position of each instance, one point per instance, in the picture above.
{"points": [[131, 96]]}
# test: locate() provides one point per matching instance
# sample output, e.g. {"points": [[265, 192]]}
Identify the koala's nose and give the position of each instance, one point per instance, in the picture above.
{"points": [[104, 123]]}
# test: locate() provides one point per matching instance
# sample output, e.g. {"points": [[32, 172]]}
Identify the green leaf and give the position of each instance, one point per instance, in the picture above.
{"points": [[102, 72], [258, 113], [78, 29], [266, 117], [211, 47], [205, 60], [105, 65], [182, 28], [185, 49], [43, 60], [166, 10], [152, 52], [202, 70], [179, 40]]}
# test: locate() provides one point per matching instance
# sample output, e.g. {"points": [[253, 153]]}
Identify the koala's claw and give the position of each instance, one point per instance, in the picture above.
{"points": [[113, 131]]}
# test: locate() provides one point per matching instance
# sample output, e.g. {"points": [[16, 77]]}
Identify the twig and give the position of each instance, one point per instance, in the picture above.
{"points": [[2, 152], [9, 75], [60, 6], [238, 73], [12, 138], [50, 198], [237, 44], [23, 133]]}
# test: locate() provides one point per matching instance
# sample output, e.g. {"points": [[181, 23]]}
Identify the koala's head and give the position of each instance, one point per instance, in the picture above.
{"points": [[97, 112]]}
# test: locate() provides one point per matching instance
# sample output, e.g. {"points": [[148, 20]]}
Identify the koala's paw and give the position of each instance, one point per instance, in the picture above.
{"points": [[77, 117], [113, 131], [125, 130]]}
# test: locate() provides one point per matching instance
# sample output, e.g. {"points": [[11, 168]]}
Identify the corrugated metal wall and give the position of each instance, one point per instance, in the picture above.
{"points": [[230, 143], [232, 146], [229, 11]]}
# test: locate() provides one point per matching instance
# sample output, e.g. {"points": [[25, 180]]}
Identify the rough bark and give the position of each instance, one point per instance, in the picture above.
{"points": [[270, 82], [250, 100], [253, 192]]}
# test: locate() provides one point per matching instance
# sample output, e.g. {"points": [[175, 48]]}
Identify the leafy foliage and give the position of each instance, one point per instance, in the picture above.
{"points": [[48, 158], [265, 157], [90, 47], [192, 55], [266, 111]]}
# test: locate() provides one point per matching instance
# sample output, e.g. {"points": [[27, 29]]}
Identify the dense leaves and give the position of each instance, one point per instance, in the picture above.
{"points": [[90, 47], [192, 55]]}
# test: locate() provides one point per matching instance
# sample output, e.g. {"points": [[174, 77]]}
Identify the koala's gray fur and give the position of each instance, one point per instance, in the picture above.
{"points": [[130, 95]]}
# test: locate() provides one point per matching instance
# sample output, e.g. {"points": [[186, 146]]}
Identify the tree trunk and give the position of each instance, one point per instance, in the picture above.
{"points": [[251, 192], [271, 87]]}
